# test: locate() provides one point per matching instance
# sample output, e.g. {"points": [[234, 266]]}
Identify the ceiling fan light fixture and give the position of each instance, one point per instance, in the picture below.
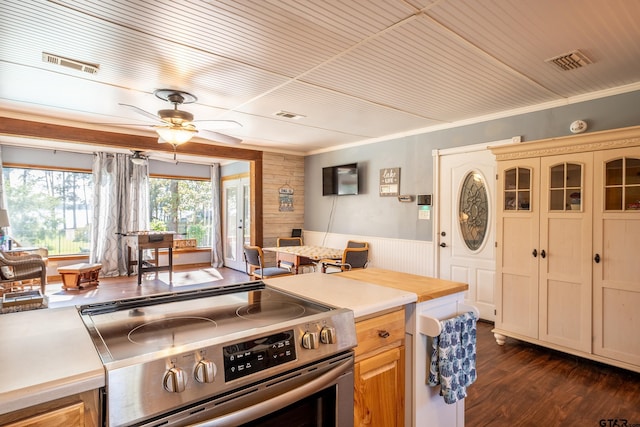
{"points": [[137, 159], [175, 135]]}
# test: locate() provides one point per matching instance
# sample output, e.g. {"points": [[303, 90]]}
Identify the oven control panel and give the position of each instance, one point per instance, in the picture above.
{"points": [[248, 357]]}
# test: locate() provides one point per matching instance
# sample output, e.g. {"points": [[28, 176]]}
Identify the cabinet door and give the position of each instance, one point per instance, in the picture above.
{"points": [[565, 250], [379, 390], [517, 247], [616, 241]]}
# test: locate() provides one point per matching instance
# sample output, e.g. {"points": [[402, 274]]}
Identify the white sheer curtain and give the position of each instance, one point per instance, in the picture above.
{"points": [[217, 257], [3, 202], [121, 191]]}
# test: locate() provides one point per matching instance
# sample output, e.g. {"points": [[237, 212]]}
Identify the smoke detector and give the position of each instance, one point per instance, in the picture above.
{"points": [[570, 61]]}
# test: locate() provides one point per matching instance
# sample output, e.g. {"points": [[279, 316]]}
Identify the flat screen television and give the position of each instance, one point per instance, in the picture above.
{"points": [[340, 180]]}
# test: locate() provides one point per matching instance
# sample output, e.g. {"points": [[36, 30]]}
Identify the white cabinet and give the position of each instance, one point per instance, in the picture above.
{"points": [[616, 239], [568, 226]]}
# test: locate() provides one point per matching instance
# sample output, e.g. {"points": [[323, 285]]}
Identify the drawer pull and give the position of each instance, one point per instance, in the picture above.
{"points": [[383, 334]]}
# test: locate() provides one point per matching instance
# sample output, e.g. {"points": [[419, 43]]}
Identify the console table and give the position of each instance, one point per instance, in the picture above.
{"points": [[149, 240]]}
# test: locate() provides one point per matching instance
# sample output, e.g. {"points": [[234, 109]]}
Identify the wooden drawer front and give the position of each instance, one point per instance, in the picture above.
{"points": [[372, 333], [69, 416]]}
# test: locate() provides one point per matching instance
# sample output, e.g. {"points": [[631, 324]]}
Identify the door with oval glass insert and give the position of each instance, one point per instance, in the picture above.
{"points": [[466, 236]]}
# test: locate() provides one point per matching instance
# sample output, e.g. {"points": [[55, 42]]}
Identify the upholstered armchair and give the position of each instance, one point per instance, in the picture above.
{"points": [[16, 268]]}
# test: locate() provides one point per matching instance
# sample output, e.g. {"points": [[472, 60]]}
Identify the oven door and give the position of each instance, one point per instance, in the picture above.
{"points": [[320, 394]]}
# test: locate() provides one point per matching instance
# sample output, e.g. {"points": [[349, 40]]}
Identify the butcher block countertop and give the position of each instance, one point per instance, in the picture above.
{"points": [[426, 288], [46, 354]]}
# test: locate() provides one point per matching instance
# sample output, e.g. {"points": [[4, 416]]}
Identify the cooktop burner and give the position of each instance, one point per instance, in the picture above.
{"points": [[142, 325], [172, 331], [271, 310]]}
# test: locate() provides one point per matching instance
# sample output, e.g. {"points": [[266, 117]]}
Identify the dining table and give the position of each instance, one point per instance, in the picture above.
{"points": [[301, 255]]}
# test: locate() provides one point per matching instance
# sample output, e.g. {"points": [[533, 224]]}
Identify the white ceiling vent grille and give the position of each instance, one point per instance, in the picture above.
{"points": [[570, 61], [70, 63], [288, 115]]}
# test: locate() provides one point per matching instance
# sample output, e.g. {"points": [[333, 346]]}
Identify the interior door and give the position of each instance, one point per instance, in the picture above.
{"points": [[466, 232], [236, 221]]}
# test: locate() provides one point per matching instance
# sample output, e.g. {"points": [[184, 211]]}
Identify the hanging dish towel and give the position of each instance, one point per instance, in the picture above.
{"points": [[453, 360]]}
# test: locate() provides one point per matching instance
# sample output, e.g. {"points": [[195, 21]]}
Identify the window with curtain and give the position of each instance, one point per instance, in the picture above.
{"points": [[53, 208]]}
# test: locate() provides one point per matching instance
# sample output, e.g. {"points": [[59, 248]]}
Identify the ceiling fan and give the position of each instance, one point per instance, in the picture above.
{"points": [[177, 126], [138, 158]]}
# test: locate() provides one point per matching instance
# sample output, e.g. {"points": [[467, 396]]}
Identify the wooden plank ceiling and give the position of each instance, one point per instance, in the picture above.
{"points": [[354, 70]]}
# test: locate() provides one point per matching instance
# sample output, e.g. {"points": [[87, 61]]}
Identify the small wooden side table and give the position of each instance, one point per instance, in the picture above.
{"points": [[79, 276]]}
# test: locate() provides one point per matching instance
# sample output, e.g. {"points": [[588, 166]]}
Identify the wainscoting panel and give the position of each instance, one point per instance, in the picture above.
{"points": [[407, 256]]}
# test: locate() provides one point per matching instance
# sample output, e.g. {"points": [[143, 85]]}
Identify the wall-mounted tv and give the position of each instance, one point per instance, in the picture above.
{"points": [[340, 180]]}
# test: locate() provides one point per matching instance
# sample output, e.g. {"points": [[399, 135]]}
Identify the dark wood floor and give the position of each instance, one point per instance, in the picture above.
{"points": [[518, 384]]}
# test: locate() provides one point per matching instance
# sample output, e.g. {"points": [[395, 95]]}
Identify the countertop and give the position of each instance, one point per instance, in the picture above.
{"points": [[425, 288], [333, 289], [48, 354], [45, 355]]}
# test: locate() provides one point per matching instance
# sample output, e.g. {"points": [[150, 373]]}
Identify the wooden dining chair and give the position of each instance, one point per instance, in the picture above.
{"points": [[355, 255], [254, 264]]}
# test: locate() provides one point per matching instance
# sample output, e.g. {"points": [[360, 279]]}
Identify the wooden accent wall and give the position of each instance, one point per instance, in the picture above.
{"points": [[281, 170]]}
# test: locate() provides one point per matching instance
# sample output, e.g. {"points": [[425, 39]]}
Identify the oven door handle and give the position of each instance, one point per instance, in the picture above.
{"points": [[281, 401]]}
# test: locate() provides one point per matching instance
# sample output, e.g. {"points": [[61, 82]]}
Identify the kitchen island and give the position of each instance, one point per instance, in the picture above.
{"points": [[47, 358], [392, 352]]}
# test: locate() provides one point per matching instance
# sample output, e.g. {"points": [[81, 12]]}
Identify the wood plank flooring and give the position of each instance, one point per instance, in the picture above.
{"points": [[521, 384], [518, 384]]}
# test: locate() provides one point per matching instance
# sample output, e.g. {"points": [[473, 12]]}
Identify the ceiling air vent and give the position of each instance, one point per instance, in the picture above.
{"points": [[570, 61], [70, 63], [288, 115]]}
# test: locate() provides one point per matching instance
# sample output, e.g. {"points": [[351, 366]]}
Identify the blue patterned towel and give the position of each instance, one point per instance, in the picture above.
{"points": [[453, 361]]}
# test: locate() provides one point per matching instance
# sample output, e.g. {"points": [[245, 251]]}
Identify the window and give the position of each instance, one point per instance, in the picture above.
{"points": [[473, 210], [50, 208], [53, 209], [183, 206]]}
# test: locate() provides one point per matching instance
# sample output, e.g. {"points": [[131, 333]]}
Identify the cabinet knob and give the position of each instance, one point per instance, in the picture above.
{"points": [[383, 334], [597, 258], [534, 253], [543, 254]]}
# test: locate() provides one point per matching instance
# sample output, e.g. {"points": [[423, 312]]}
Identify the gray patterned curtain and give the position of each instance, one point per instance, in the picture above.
{"points": [[217, 257], [121, 204], [3, 202]]}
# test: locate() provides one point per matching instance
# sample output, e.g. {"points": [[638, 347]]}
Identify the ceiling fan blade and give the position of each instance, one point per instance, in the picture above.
{"points": [[220, 124], [147, 114], [219, 137]]}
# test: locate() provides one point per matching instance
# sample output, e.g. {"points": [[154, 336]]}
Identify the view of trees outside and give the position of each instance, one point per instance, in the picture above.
{"points": [[182, 206], [49, 208], [53, 208]]}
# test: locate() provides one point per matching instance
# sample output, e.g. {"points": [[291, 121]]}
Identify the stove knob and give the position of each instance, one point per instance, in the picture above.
{"points": [[328, 335], [205, 371], [310, 340], [175, 380]]}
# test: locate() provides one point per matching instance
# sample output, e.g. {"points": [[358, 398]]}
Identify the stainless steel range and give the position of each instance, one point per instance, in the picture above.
{"points": [[229, 355]]}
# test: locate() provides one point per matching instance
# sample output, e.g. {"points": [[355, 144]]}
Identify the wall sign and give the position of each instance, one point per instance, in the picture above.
{"points": [[389, 182], [285, 194]]}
